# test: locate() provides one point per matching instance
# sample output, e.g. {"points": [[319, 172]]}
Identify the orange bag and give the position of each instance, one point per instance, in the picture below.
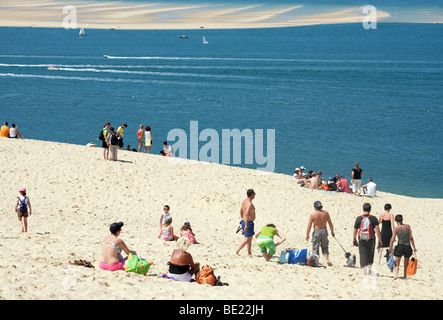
{"points": [[412, 267], [206, 275]]}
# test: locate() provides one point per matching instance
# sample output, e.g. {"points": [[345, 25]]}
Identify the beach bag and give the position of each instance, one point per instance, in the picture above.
{"points": [[22, 206], [412, 267], [299, 256], [137, 265], [312, 260], [114, 139], [101, 136], [284, 256], [206, 276], [366, 230]]}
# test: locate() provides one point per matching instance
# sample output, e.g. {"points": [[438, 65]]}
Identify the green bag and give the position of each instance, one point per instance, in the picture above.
{"points": [[137, 265]]}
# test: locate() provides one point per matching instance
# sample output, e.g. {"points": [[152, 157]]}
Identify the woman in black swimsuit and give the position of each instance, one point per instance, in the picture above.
{"points": [[181, 265], [387, 227]]}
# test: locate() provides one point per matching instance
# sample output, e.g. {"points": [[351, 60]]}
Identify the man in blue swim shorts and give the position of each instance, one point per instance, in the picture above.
{"points": [[247, 214]]}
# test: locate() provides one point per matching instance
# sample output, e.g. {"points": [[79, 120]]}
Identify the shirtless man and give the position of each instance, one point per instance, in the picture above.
{"points": [[247, 214], [320, 235], [314, 182]]}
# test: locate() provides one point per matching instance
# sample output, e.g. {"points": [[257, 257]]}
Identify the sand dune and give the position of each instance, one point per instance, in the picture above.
{"points": [[76, 195], [127, 15]]}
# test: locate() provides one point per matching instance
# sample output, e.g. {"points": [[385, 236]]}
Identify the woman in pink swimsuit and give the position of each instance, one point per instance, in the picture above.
{"points": [[112, 247]]}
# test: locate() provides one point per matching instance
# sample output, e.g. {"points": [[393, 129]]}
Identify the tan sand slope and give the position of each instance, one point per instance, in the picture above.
{"points": [[152, 15], [76, 195]]}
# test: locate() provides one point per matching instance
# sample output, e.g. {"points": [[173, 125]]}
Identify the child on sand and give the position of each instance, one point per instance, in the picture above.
{"points": [[21, 207], [186, 231], [167, 231], [165, 215], [265, 240]]}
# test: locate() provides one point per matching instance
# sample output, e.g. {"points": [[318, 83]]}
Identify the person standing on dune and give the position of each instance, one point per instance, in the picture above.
{"points": [[247, 214]]}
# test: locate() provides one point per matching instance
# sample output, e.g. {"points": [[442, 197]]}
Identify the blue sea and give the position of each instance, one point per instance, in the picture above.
{"points": [[334, 94]]}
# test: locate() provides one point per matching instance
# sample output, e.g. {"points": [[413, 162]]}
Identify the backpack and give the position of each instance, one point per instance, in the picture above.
{"points": [[22, 206], [312, 261], [114, 139], [101, 136], [366, 230], [206, 275]]}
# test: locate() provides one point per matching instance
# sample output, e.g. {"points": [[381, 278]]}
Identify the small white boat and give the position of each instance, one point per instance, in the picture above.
{"points": [[53, 68], [184, 37], [82, 32], [106, 56], [204, 40]]}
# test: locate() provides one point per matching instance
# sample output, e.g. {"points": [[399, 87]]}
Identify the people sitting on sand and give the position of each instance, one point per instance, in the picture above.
{"points": [[186, 231], [370, 188], [128, 148], [343, 185], [14, 133], [112, 246], [298, 178], [4, 131], [265, 240], [167, 149], [167, 231], [313, 182], [181, 265], [296, 175]]}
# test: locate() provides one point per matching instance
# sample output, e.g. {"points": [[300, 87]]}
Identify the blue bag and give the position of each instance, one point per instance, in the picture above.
{"points": [[299, 256]]}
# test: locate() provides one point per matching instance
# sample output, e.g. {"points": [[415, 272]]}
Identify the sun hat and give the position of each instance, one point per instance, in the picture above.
{"points": [[22, 190]]}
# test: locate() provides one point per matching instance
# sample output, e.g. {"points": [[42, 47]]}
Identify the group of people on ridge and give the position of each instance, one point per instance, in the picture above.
{"points": [[339, 183]]}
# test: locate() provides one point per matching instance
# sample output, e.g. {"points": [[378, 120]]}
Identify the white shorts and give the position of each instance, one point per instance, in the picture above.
{"points": [[180, 277]]}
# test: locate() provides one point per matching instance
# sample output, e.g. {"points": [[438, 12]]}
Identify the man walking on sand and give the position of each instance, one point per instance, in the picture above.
{"points": [[367, 230], [247, 214], [319, 218]]}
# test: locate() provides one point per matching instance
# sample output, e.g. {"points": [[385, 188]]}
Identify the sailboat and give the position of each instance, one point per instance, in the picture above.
{"points": [[82, 33], [204, 40]]}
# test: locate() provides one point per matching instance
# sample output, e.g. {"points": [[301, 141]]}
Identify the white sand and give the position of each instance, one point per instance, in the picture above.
{"points": [[76, 195], [151, 15]]}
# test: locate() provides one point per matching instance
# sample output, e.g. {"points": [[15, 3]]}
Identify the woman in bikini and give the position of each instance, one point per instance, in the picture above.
{"points": [[403, 248], [181, 265], [140, 138], [112, 247]]}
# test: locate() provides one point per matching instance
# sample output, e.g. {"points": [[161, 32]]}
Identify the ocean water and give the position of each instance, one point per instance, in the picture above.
{"points": [[334, 94]]}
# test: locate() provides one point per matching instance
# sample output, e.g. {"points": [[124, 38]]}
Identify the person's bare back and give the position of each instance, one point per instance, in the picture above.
{"points": [[320, 219]]}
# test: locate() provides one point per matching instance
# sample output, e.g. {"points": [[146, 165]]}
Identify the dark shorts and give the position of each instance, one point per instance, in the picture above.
{"points": [[120, 143], [22, 214], [366, 248], [250, 232], [403, 250], [105, 144]]}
